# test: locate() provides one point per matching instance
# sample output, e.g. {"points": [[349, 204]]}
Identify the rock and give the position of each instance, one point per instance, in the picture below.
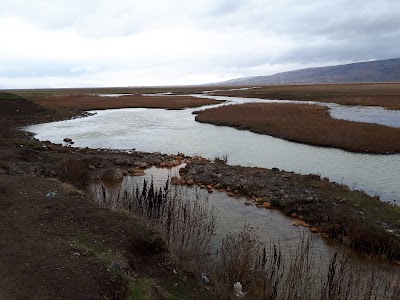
{"points": [[300, 223], [137, 154], [238, 288], [51, 194], [122, 162], [266, 204], [293, 215], [142, 165], [67, 140], [138, 172], [175, 180], [314, 229], [112, 174], [91, 167], [204, 278], [190, 181]]}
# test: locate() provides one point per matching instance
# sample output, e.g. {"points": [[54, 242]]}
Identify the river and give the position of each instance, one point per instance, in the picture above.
{"points": [[173, 131]]}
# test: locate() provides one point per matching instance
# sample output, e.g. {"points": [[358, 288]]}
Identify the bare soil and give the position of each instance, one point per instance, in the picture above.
{"points": [[308, 124], [55, 242]]}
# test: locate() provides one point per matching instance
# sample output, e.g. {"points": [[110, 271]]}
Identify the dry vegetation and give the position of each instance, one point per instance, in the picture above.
{"points": [[88, 102], [375, 94], [187, 226], [310, 124]]}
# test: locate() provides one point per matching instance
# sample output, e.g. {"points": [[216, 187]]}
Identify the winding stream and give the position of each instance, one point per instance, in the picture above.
{"points": [[173, 131]]}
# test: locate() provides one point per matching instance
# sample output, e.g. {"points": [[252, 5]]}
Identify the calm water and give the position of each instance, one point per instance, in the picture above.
{"points": [[168, 131], [365, 114], [271, 225]]}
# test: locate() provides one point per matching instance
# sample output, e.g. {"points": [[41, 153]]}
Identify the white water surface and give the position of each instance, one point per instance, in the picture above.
{"points": [[173, 131]]}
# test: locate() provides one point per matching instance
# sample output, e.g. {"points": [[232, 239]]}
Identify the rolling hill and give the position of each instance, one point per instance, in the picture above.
{"points": [[372, 71]]}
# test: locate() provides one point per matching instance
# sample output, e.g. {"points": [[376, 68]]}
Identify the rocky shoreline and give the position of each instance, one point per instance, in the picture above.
{"points": [[332, 209], [326, 207]]}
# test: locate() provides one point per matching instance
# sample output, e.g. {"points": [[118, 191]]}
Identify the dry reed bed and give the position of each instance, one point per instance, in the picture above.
{"points": [[88, 102], [188, 225], [370, 94], [308, 124]]}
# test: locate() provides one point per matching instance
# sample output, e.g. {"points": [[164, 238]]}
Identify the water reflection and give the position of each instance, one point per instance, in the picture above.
{"points": [[271, 225]]}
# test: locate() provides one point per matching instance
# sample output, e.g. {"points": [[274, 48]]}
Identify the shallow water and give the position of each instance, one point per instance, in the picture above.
{"points": [[167, 131], [271, 226], [364, 114], [112, 95]]}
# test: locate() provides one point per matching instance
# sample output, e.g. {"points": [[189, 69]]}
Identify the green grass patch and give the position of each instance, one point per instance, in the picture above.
{"points": [[9, 96], [141, 288], [374, 209]]}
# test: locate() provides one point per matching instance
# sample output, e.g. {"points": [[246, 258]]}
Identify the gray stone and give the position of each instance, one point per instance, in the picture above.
{"points": [[113, 174]]}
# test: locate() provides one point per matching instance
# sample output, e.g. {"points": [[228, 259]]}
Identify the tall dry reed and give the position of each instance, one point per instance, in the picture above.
{"points": [[187, 223]]}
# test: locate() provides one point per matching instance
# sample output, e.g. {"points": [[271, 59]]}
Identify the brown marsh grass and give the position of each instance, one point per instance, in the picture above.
{"points": [[89, 102], [309, 124], [375, 94]]}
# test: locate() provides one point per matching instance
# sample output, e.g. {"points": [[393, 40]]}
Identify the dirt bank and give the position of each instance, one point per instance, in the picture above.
{"points": [[55, 243], [307, 124]]}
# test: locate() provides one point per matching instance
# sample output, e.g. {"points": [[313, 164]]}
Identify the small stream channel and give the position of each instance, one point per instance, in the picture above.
{"points": [[271, 226], [233, 213]]}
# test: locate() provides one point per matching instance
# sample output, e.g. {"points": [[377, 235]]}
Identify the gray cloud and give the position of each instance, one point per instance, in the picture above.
{"points": [[188, 40]]}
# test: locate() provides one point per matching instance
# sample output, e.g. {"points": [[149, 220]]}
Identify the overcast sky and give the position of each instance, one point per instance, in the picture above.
{"points": [[75, 43]]}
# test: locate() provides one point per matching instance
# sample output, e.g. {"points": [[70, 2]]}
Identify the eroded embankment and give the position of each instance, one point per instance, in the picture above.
{"points": [[308, 124]]}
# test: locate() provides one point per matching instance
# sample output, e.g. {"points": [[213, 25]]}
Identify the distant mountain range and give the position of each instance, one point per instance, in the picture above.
{"points": [[387, 70]]}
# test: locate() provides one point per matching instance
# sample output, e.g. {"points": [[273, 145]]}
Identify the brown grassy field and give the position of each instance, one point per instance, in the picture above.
{"points": [[310, 124], [380, 94], [377, 94], [87, 102]]}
